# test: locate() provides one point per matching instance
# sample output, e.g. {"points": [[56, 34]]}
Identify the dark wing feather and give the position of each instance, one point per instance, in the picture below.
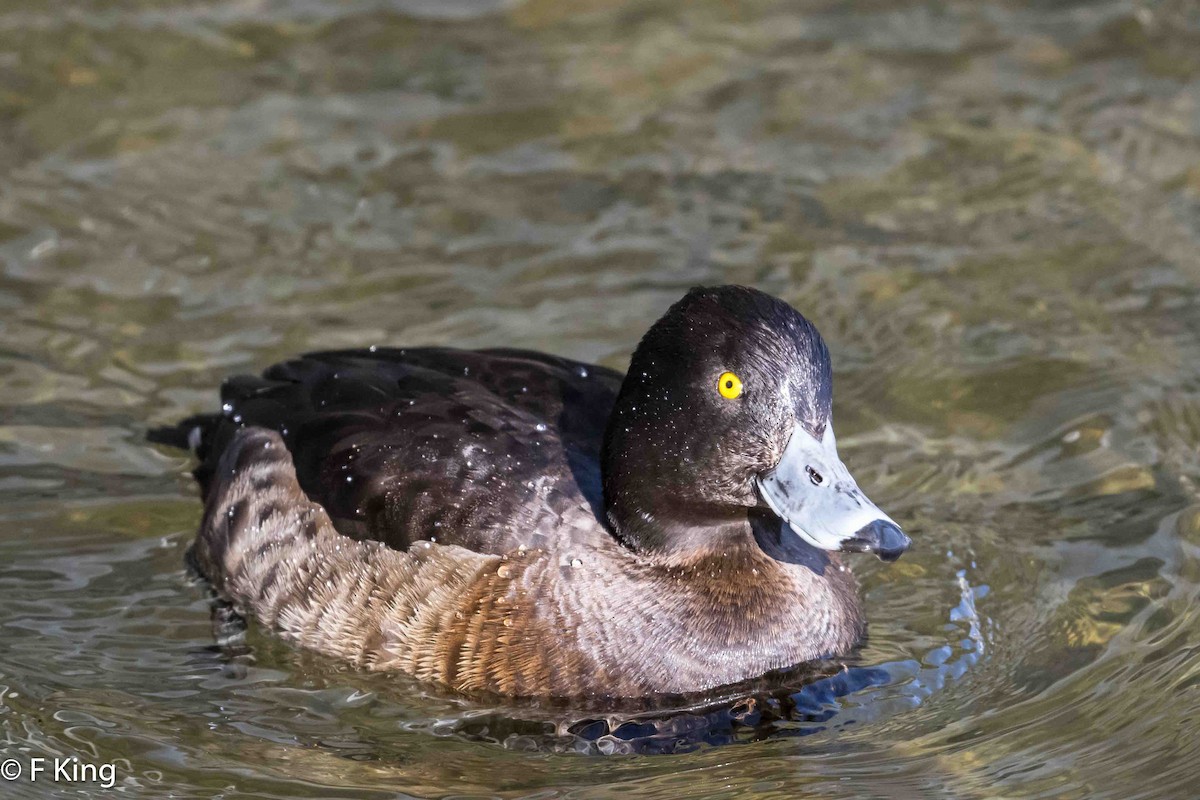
{"points": [[489, 449]]}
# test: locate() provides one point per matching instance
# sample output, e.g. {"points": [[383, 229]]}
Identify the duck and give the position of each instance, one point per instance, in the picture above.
{"points": [[510, 523]]}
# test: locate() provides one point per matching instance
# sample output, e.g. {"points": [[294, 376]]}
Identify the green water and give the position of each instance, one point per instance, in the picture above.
{"points": [[992, 212]]}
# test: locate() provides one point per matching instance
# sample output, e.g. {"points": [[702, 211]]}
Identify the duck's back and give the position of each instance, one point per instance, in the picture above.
{"points": [[491, 449]]}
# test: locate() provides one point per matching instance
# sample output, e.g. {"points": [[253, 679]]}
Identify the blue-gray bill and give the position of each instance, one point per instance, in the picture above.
{"points": [[814, 493]]}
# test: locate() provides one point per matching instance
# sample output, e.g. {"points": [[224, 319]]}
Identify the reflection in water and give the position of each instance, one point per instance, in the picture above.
{"points": [[991, 210]]}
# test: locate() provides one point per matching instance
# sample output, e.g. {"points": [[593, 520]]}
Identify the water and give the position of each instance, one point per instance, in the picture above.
{"points": [[992, 212]]}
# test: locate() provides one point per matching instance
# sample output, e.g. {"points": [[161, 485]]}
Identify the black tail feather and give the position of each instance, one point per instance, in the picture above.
{"points": [[189, 434]]}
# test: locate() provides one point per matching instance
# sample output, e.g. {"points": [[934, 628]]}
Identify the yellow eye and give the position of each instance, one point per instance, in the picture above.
{"points": [[729, 385]]}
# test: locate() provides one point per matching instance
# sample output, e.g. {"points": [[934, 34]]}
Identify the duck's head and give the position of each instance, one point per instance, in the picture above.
{"points": [[727, 407]]}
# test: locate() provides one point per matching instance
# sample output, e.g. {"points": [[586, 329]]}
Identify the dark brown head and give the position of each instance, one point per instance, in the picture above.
{"points": [[727, 407]]}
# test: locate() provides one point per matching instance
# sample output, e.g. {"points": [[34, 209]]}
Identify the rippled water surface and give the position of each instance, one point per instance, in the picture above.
{"points": [[992, 212]]}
